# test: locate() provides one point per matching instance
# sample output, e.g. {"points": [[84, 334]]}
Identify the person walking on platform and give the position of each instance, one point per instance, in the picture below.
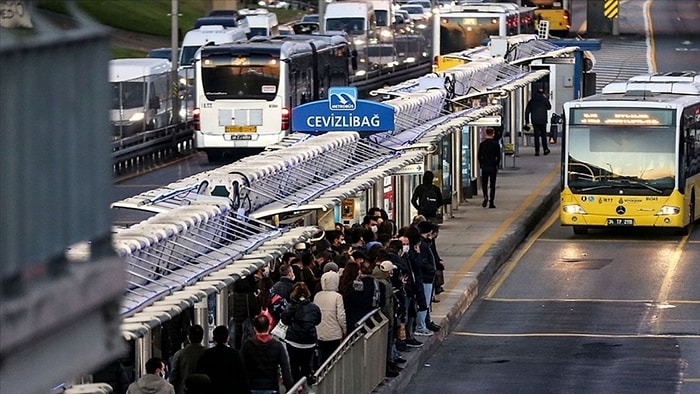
{"points": [[333, 326], [427, 198], [184, 362], [265, 358], [536, 113], [489, 155], [152, 382], [223, 365]]}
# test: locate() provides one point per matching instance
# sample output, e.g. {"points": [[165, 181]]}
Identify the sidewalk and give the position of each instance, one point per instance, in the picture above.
{"points": [[477, 241]]}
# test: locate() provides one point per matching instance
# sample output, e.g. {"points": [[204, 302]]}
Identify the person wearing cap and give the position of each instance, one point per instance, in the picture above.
{"points": [[383, 273], [333, 326], [536, 113]]}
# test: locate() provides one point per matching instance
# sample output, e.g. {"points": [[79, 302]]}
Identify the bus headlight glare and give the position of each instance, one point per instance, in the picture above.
{"points": [[574, 209], [137, 117], [667, 210]]}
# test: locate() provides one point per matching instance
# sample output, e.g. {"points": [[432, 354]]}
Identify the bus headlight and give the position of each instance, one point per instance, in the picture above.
{"points": [[573, 209], [667, 210], [137, 117]]}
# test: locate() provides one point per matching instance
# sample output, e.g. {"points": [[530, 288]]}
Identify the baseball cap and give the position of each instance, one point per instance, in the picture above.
{"points": [[386, 266]]}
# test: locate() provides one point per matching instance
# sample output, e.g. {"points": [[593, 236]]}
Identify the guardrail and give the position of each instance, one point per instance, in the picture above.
{"points": [[153, 146], [150, 147]]}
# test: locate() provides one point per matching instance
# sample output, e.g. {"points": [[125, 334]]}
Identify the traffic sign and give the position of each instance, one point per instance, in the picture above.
{"points": [[611, 8]]}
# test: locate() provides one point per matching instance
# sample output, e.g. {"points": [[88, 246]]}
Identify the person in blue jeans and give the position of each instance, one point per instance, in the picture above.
{"points": [[536, 113]]}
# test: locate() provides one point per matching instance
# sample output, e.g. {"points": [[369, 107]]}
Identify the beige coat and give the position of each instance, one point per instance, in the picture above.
{"points": [[333, 324]]}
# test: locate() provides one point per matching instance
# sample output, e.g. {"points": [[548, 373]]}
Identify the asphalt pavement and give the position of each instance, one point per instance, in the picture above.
{"points": [[476, 241]]}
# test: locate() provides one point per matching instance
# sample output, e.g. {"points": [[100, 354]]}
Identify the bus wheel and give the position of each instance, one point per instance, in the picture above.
{"points": [[214, 155], [580, 230]]}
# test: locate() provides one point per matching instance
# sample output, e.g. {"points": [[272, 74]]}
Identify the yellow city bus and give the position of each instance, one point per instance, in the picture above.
{"points": [[557, 12], [631, 155]]}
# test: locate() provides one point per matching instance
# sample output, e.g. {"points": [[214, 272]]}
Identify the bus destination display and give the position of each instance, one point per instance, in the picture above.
{"points": [[623, 117]]}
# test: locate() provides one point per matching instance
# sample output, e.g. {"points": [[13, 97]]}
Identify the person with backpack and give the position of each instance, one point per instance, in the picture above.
{"points": [[427, 197]]}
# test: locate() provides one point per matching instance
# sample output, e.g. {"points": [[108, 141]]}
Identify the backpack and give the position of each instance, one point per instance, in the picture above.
{"points": [[277, 305], [428, 201]]}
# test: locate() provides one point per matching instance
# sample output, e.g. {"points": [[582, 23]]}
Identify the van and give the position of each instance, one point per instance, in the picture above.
{"points": [[384, 14], [355, 18], [358, 21], [216, 34], [261, 22], [140, 95]]}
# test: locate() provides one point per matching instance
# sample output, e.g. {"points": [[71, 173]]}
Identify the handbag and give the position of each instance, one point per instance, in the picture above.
{"points": [[280, 331]]}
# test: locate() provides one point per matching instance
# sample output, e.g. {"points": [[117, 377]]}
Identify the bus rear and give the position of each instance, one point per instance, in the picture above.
{"points": [[239, 99]]}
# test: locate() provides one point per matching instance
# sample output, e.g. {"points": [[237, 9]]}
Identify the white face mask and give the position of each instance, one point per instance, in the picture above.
{"points": [[406, 248], [374, 229], [292, 278]]}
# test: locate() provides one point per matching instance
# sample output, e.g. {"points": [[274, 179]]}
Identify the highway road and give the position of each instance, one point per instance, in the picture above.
{"points": [[610, 312]]}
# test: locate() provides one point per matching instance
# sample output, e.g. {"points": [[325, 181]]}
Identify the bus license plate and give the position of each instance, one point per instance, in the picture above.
{"points": [[620, 222], [239, 137], [240, 129]]}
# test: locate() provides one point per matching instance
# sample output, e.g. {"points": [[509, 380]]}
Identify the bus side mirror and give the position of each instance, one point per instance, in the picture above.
{"points": [[353, 59]]}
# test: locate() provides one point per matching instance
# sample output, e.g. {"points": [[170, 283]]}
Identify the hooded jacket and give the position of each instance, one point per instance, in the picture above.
{"points": [[262, 357], [423, 189], [150, 384], [536, 109], [330, 302]]}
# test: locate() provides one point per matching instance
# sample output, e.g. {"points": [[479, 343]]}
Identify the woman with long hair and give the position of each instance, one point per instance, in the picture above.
{"points": [[301, 317]]}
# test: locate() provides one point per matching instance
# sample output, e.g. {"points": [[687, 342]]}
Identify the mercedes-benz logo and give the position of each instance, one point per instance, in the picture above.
{"points": [[620, 210]]}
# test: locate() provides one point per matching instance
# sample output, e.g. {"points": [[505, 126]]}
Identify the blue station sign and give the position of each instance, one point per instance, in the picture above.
{"points": [[342, 111]]}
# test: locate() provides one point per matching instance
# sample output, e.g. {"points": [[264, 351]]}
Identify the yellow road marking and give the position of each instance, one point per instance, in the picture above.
{"points": [[567, 334], [513, 261], [650, 35], [481, 250]]}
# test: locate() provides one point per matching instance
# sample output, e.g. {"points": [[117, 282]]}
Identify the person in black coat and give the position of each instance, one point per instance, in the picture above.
{"points": [[536, 113], [301, 317], [265, 358], [489, 156], [223, 365], [427, 198]]}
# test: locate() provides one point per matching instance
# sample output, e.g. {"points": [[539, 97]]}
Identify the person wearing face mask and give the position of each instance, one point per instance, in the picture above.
{"points": [[153, 381], [369, 235]]}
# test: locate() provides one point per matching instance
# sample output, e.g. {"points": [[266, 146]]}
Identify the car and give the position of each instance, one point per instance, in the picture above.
{"points": [[310, 18], [419, 15], [228, 13], [426, 4], [162, 53], [381, 56], [225, 21]]}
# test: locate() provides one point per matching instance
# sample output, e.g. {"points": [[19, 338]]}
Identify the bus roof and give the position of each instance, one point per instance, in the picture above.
{"points": [[284, 46]]}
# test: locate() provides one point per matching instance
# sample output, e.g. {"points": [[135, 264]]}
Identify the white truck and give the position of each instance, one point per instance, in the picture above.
{"points": [[140, 95], [261, 22]]}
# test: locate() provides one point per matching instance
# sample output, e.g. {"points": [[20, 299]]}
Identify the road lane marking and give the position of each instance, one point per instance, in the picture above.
{"points": [[467, 266], [512, 262], [569, 334], [651, 46]]}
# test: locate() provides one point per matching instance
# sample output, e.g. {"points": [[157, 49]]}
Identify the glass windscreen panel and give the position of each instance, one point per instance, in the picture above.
{"points": [[458, 33], [128, 95], [612, 151], [382, 18], [240, 76], [352, 26]]}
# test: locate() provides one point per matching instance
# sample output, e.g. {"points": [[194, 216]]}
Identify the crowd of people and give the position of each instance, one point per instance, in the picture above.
{"points": [[320, 292]]}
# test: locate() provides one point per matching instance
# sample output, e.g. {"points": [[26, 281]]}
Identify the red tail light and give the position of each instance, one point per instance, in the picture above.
{"points": [[286, 117], [195, 119]]}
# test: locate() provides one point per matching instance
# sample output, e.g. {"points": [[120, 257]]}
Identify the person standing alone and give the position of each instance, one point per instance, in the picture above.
{"points": [[427, 197], [536, 113], [489, 156]]}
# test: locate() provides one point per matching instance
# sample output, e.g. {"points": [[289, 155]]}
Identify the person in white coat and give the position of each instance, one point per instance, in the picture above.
{"points": [[333, 324]]}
